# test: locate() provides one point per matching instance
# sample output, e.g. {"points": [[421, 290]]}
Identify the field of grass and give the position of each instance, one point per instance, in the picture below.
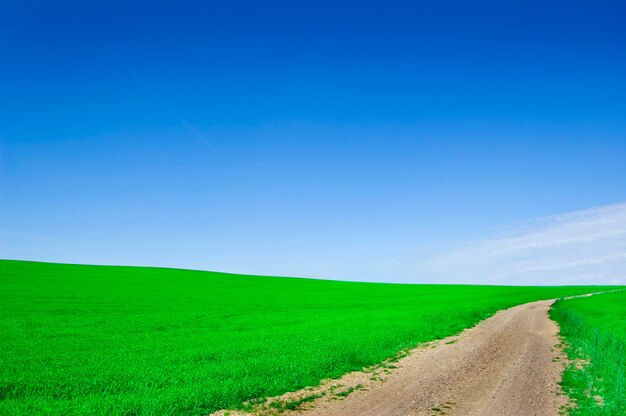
{"points": [[594, 329], [78, 340]]}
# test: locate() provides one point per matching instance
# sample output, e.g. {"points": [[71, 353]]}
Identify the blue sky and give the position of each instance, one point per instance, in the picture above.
{"points": [[356, 140]]}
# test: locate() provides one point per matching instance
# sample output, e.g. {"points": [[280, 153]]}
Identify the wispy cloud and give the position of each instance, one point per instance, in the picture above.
{"points": [[167, 106], [579, 247]]}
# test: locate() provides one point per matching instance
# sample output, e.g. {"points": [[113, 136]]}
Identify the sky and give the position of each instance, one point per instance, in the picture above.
{"points": [[439, 142]]}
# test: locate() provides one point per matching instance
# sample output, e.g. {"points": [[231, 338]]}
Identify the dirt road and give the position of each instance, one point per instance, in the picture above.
{"points": [[507, 365]]}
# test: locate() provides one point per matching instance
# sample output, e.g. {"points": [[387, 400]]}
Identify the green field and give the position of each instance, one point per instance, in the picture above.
{"points": [[594, 329], [98, 340]]}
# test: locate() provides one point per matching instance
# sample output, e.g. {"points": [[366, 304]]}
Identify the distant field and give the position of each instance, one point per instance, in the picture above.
{"points": [[97, 340], [595, 331]]}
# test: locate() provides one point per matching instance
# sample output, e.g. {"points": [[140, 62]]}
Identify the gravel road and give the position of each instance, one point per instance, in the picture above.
{"points": [[506, 365]]}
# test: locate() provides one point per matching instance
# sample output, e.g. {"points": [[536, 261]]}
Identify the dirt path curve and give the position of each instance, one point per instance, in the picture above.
{"points": [[507, 365]]}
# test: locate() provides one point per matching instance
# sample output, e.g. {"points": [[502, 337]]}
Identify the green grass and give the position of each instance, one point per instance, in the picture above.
{"points": [[95, 340], [594, 329]]}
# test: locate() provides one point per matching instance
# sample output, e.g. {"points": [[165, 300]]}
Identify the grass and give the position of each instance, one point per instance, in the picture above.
{"points": [[594, 329], [97, 340]]}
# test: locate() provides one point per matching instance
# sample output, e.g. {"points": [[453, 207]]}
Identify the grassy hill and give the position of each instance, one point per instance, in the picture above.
{"points": [[103, 340]]}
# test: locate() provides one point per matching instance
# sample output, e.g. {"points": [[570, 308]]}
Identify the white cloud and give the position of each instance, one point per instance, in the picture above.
{"points": [[579, 247]]}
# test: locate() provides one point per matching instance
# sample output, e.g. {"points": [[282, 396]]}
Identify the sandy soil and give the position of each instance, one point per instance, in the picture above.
{"points": [[507, 365]]}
